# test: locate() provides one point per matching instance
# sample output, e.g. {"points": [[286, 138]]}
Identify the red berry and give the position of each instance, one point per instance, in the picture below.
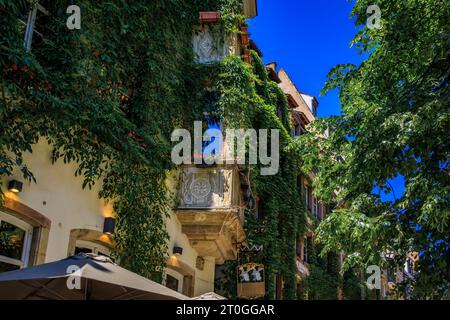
{"points": [[14, 67], [24, 68]]}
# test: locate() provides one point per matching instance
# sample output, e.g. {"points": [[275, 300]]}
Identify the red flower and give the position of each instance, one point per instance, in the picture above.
{"points": [[31, 76], [14, 67], [130, 134]]}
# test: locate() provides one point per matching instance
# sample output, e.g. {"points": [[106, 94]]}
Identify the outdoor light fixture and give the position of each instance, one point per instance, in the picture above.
{"points": [[15, 186], [251, 203], [178, 251], [108, 225]]}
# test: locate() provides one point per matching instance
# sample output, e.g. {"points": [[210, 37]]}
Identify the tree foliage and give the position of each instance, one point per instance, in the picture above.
{"points": [[395, 122]]}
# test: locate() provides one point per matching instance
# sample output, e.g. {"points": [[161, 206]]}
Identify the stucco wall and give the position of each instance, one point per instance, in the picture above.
{"points": [[58, 195]]}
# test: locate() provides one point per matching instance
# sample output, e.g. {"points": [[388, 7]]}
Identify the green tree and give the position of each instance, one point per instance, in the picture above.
{"points": [[395, 122]]}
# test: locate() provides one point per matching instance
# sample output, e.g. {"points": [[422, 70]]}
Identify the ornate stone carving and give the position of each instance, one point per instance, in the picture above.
{"points": [[210, 212], [210, 45], [206, 188], [201, 188]]}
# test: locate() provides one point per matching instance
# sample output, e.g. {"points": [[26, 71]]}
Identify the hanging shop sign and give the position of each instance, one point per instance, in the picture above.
{"points": [[251, 281]]}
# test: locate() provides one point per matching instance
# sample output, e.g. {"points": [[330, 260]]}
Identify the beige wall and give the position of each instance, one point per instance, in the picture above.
{"points": [[58, 195], [288, 86]]}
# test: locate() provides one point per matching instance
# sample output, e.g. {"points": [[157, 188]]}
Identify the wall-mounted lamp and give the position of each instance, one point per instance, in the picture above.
{"points": [[251, 203], [108, 225], [15, 186], [178, 251]]}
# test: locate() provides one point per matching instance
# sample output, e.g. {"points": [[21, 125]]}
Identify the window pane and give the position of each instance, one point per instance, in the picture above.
{"points": [[5, 267], [172, 283], [82, 250], [11, 240]]}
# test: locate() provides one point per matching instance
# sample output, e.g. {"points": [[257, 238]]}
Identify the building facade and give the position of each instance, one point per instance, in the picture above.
{"points": [[303, 111], [55, 217]]}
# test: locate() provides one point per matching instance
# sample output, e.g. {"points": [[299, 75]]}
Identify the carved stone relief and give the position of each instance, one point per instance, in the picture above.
{"points": [[209, 46], [206, 188]]}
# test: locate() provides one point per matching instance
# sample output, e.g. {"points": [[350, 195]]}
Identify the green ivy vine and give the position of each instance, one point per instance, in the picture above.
{"points": [[108, 96]]}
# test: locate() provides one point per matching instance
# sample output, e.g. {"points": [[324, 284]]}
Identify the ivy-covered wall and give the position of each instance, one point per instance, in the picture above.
{"points": [[108, 96], [256, 103]]}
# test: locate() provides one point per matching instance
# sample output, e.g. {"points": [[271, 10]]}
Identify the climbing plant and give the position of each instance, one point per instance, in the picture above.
{"points": [[107, 98], [324, 280], [249, 99]]}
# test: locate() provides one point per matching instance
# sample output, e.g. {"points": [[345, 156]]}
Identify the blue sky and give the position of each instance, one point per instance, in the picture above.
{"points": [[307, 38]]}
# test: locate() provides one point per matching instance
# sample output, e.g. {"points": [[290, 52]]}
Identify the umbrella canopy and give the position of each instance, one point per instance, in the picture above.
{"points": [[98, 278], [209, 296]]}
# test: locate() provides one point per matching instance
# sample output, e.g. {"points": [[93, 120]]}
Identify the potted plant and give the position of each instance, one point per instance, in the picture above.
{"points": [[209, 17], [247, 56], [245, 39]]}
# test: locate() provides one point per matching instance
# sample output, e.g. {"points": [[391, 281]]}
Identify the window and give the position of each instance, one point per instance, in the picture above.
{"points": [[279, 113], [298, 130], [324, 212], [213, 123], [176, 281], [316, 208], [172, 282], [299, 186], [391, 271], [83, 246], [36, 23], [307, 197], [298, 248], [305, 251], [15, 243], [409, 267]]}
